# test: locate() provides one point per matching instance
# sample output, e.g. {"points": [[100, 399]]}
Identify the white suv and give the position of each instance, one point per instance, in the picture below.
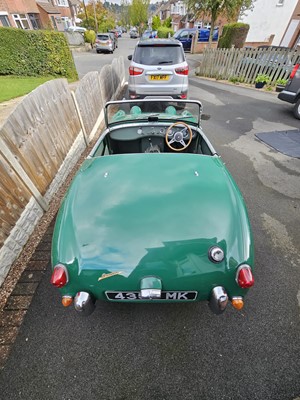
{"points": [[158, 68]]}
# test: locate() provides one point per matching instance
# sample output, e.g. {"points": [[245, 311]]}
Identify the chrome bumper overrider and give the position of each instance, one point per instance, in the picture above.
{"points": [[150, 288], [218, 300], [84, 303]]}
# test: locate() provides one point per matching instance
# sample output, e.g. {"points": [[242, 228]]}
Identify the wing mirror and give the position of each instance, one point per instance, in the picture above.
{"points": [[130, 57]]}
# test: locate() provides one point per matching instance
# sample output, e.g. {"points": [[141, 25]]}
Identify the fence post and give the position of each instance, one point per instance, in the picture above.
{"points": [[80, 118]]}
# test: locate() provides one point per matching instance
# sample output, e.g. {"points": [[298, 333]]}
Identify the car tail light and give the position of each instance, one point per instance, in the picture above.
{"points": [[237, 303], [295, 69], [109, 42], [59, 276], [244, 277], [67, 301], [135, 71], [182, 71], [183, 95]]}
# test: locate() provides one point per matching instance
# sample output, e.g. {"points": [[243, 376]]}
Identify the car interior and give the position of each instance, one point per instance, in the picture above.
{"points": [[152, 136]]}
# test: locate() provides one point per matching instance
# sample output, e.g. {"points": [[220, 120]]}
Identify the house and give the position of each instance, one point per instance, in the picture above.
{"points": [[291, 36], [273, 22], [182, 17], [164, 11], [50, 15], [34, 14], [19, 14]]}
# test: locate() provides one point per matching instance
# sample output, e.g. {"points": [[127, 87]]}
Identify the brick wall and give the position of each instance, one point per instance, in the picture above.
{"points": [[65, 11], [21, 6], [3, 5]]}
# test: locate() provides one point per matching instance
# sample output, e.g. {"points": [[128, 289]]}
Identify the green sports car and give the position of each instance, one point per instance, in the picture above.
{"points": [[153, 215]]}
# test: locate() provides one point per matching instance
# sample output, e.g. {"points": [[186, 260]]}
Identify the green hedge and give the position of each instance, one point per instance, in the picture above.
{"points": [[90, 36], [35, 53], [163, 32], [233, 35]]}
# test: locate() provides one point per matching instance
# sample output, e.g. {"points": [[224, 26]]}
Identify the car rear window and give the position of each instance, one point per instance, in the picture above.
{"points": [[158, 55], [102, 37]]}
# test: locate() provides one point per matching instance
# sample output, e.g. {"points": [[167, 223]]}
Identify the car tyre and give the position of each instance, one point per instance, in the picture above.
{"points": [[98, 51], [297, 109]]}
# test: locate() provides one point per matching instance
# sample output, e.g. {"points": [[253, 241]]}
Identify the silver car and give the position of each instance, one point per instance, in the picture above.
{"points": [[104, 43], [158, 68]]}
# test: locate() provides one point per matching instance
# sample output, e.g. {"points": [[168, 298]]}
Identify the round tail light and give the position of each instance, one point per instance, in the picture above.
{"points": [[244, 277]]}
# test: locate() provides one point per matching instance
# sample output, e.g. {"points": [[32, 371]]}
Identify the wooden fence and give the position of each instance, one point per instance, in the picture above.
{"points": [[244, 65], [49, 128]]}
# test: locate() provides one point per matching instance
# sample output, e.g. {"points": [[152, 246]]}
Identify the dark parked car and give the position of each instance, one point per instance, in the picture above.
{"points": [[291, 92], [185, 36]]}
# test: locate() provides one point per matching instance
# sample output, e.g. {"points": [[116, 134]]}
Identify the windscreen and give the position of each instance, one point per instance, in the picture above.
{"points": [[158, 55], [102, 37], [153, 111]]}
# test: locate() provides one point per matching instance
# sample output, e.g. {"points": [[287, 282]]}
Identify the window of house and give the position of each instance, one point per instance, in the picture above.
{"points": [[4, 20], [21, 21], [53, 22], [63, 3], [35, 22]]}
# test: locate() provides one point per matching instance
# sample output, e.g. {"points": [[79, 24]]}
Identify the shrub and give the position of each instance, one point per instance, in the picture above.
{"points": [[234, 79], [263, 78], [233, 35], [168, 22], [164, 32], [281, 82], [156, 23], [90, 36], [35, 53], [237, 79]]}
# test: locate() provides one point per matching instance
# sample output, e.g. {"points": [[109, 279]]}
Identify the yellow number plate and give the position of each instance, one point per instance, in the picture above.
{"points": [[159, 77]]}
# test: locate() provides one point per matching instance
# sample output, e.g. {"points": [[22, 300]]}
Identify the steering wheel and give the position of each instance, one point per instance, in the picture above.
{"points": [[178, 136]]}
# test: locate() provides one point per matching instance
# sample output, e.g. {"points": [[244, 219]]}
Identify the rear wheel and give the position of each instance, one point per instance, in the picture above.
{"points": [[297, 109]]}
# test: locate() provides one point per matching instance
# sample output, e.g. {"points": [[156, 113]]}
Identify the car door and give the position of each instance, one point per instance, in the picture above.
{"points": [[186, 39]]}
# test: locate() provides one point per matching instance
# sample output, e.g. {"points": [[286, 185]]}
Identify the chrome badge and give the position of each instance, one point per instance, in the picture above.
{"points": [[104, 276]]}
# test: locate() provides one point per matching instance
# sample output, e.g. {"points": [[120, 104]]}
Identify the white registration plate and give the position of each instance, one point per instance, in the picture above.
{"points": [[167, 296]]}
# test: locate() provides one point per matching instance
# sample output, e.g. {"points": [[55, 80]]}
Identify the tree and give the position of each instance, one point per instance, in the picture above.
{"points": [[95, 16], [125, 17], [138, 11], [156, 23], [215, 8], [168, 22]]}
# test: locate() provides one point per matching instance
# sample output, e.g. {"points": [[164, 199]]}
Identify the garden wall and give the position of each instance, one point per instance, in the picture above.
{"points": [[40, 142]]}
